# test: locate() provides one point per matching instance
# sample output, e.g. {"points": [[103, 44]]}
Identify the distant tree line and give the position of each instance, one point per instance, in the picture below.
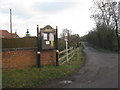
{"points": [[105, 34], [102, 37]]}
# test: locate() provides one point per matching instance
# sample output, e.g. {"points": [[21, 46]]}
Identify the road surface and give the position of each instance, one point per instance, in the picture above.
{"points": [[100, 71]]}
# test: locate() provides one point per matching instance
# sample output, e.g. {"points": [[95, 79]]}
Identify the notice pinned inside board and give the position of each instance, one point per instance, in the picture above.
{"points": [[45, 36], [51, 37], [52, 43], [47, 42]]}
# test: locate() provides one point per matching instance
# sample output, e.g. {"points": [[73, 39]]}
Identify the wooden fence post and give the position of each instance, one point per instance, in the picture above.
{"points": [[57, 51], [38, 47]]}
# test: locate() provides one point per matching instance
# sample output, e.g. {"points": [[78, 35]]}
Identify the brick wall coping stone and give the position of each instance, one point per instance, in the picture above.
{"points": [[17, 49]]}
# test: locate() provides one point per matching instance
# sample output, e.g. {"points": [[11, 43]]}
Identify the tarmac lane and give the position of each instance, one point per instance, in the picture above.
{"points": [[100, 71]]}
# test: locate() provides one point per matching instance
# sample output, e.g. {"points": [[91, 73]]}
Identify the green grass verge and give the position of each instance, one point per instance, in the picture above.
{"points": [[101, 49], [35, 77]]}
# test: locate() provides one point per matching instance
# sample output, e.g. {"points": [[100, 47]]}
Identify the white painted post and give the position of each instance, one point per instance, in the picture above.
{"points": [[67, 50], [66, 40]]}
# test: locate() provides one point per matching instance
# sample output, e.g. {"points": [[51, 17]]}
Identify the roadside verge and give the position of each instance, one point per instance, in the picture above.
{"points": [[35, 77]]}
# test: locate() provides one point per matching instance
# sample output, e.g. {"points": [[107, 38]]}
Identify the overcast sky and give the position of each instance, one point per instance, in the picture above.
{"points": [[27, 14]]}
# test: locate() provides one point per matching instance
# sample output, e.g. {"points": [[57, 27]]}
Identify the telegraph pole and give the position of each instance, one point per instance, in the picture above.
{"points": [[11, 21]]}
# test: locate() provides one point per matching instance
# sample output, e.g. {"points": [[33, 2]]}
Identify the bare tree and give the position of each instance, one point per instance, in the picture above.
{"points": [[105, 14], [105, 11], [65, 31]]}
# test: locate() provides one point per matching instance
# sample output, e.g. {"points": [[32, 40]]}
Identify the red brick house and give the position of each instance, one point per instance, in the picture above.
{"points": [[14, 35], [6, 34]]}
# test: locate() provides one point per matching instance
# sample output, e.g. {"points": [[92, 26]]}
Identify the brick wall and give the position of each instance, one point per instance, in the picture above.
{"points": [[48, 57], [18, 59], [26, 58]]}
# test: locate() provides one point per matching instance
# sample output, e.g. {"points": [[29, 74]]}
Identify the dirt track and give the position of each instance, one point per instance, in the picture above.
{"points": [[100, 71]]}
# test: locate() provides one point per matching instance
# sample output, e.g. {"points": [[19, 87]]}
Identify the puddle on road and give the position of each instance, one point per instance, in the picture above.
{"points": [[66, 82]]}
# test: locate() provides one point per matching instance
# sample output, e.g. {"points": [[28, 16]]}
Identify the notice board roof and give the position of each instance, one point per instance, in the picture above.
{"points": [[47, 27]]}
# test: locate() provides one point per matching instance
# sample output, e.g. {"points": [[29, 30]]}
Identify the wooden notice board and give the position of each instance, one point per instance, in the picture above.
{"points": [[48, 38]]}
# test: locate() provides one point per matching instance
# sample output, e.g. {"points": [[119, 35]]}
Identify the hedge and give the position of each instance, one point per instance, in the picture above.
{"points": [[18, 42]]}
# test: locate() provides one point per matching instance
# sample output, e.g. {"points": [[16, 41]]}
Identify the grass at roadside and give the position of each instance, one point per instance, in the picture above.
{"points": [[101, 49], [35, 77], [104, 50]]}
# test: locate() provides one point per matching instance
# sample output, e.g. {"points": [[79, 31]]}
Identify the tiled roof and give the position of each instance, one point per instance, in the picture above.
{"points": [[4, 32], [14, 34]]}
